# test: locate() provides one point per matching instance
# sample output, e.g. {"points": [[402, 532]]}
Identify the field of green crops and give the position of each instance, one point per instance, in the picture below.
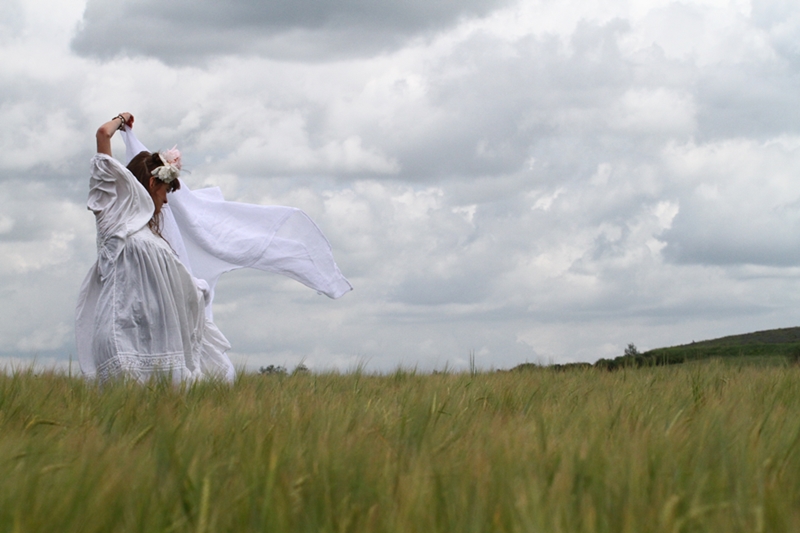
{"points": [[700, 447]]}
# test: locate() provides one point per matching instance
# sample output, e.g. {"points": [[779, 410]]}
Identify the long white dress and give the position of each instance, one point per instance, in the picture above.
{"points": [[140, 311], [145, 305]]}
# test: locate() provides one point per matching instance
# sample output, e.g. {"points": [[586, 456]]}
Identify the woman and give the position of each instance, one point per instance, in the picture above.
{"points": [[140, 312]]}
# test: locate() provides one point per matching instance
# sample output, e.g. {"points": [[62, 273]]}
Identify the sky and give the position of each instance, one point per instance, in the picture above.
{"points": [[502, 181]]}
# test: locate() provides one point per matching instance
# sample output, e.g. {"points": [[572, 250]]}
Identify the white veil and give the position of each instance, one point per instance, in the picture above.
{"points": [[212, 236]]}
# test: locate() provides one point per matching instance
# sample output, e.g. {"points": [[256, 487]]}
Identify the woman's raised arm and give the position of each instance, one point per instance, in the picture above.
{"points": [[106, 131]]}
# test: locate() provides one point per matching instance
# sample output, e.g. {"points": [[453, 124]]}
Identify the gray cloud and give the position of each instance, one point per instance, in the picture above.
{"points": [[11, 20], [782, 22], [188, 31], [739, 204], [751, 100]]}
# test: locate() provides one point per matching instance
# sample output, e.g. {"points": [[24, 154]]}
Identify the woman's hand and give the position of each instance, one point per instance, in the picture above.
{"points": [[106, 131], [128, 118]]}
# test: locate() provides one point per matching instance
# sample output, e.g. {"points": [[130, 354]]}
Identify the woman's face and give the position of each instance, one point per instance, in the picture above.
{"points": [[158, 190]]}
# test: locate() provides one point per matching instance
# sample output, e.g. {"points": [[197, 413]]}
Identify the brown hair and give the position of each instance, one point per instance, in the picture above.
{"points": [[142, 166]]}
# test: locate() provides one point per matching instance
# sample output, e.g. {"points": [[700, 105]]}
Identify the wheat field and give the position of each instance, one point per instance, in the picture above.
{"points": [[701, 447]]}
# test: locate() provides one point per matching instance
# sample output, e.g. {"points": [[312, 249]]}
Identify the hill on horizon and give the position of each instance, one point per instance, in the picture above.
{"points": [[772, 343], [769, 346], [770, 336]]}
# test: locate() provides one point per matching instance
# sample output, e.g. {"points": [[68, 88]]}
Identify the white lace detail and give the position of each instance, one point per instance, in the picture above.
{"points": [[141, 367]]}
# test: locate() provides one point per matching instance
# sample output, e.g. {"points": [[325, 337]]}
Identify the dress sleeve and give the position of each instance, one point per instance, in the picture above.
{"points": [[120, 204]]}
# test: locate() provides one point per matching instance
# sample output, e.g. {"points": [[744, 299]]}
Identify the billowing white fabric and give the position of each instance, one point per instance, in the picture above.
{"points": [[140, 308], [140, 311], [212, 236]]}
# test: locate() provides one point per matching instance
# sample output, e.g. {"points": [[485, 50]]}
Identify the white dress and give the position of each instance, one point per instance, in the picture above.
{"points": [[140, 311]]}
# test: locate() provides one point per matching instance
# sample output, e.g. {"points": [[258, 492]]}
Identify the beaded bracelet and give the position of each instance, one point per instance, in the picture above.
{"points": [[122, 124]]}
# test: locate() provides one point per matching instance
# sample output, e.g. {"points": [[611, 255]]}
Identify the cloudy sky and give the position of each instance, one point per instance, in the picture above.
{"points": [[535, 180]]}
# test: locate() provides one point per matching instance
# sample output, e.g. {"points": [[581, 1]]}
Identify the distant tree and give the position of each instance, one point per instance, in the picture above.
{"points": [[605, 364], [632, 351], [301, 369], [272, 369]]}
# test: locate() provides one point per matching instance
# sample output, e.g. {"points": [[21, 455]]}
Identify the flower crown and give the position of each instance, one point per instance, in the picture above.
{"points": [[172, 165]]}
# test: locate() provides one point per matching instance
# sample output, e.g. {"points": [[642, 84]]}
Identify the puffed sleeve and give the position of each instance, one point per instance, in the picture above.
{"points": [[120, 204]]}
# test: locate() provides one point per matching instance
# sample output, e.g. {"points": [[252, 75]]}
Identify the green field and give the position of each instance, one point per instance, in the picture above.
{"points": [[684, 448]]}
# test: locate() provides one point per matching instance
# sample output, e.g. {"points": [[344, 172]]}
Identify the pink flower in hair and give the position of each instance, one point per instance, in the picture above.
{"points": [[172, 157]]}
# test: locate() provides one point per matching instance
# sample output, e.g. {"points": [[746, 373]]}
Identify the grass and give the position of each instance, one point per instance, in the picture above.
{"points": [[712, 447]]}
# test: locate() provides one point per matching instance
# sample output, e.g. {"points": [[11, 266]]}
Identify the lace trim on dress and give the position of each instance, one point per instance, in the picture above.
{"points": [[140, 367]]}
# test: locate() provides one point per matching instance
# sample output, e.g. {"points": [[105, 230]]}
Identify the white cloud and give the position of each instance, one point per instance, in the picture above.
{"points": [[740, 203], [6, 224], [659, 110]]}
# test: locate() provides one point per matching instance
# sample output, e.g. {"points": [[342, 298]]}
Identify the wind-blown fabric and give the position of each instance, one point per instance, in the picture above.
{"points": [[212, 236]]}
